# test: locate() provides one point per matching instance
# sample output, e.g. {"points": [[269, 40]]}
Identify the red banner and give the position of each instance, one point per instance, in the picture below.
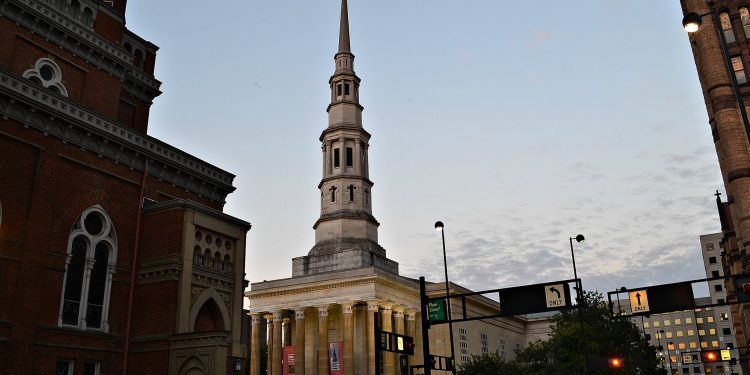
{"points": [[336, 358], [288, 366]]}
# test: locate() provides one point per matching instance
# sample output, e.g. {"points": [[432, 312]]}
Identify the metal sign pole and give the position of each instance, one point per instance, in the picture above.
{"points": [[425, 327]]}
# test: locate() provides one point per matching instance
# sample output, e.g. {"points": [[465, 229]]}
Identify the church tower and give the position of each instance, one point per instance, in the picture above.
{"points": [[346, 234]]}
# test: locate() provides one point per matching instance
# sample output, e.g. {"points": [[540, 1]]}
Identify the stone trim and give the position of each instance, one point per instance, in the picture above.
{"points": [[89, 130]]}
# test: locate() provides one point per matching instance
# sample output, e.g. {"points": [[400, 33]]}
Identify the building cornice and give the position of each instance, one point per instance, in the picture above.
{"points": [[336, 128], [188, 204], [302, 286], [49, 23], [77, 125]]}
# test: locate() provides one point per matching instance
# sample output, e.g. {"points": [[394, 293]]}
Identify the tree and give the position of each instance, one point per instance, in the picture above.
{"points": [[602, 338], [487, 364]]}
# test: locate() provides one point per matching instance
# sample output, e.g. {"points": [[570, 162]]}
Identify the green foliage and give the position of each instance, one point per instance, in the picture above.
{"points": [[569, 347], [487, 364]]}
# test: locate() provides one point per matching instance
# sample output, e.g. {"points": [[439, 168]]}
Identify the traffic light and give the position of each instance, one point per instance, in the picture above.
{"points": [[615, 362], [711, 356], [746, 288]]}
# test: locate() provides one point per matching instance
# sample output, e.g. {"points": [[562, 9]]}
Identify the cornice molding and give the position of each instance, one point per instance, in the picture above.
{"points": [[85, 128], [49, 23]]}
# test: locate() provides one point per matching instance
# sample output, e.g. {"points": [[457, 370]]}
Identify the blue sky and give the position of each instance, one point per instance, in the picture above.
{"points": [[516, 126]]}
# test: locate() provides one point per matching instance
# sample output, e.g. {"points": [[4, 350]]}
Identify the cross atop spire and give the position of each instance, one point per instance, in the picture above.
{"points": [[344, 29]]}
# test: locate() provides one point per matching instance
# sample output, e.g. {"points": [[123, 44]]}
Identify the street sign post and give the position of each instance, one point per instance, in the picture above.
{"points": [[436, 310]]}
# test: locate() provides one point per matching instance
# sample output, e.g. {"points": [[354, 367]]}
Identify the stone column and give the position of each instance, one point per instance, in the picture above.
{"points": [[276, 368], [411, 323], [323, 334], [325, 153], [398, 319], [299, 341], [348, 338], [357, 157], [372, 309], [287, 331], [411, 330], [255, 344], [269, 343], [386, 316]]}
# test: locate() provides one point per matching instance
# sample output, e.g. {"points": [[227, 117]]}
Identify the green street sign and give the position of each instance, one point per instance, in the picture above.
{"points": [[436, 310]]}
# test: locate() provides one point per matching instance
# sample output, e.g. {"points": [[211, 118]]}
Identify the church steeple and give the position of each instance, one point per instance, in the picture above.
{"points": [[346, 234], [344, 45]]}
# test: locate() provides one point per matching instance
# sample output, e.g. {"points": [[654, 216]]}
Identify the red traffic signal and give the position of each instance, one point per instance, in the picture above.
{"points": [[615, 362], [711, 356], [746, 288]]}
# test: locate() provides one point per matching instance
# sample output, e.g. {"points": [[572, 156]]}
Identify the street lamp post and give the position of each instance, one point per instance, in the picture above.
{"points": [[441, 228], [579, 238]]}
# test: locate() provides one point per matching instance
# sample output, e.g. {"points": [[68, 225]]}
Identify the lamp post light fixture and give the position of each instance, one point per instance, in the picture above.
{"points": [[692, 23], [441, 228], [237, 366]]}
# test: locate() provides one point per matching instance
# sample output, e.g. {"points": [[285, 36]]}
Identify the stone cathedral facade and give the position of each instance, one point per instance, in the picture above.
{"points": [[322, 319]]}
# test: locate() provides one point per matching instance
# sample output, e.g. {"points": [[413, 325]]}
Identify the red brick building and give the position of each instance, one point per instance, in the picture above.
{"points": [[115, 256]]}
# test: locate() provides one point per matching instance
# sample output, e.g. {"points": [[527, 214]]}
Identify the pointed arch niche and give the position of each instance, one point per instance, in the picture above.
{"points": [[209, 311], [89, 267], [193, 366]]}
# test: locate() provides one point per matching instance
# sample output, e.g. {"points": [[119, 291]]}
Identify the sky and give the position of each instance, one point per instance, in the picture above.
{"points": [[517, 126]]}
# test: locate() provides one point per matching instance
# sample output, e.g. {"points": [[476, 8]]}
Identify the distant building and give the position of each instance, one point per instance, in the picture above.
{"points": [[682, 335], [115, 255]]}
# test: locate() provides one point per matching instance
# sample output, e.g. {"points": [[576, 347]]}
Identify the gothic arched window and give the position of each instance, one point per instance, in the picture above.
{"points": [[92, 253], [227, 263], [218, 262]]}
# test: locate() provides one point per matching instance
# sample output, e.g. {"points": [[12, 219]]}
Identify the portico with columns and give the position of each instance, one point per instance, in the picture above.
{"points": [[341, 308]]}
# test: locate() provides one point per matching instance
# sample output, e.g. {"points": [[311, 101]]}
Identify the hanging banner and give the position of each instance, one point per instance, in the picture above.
{"points": [[288, 360], [335, 353]]}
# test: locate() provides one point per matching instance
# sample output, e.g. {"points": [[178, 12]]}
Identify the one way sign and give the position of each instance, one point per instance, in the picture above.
{"points": [[639, 301]]}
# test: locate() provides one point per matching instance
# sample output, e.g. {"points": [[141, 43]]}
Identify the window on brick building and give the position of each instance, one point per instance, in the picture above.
{"points": [[91, 368], [92, 253], [64, 367], [745, 19], [726, 27], [47, 74], [712, 260], [739, 69], [336, 158], [138, 58]]}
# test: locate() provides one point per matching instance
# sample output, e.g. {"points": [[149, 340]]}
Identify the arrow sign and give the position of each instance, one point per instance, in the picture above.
{"points": [[553, 296], [639, 301], [553, 290]]}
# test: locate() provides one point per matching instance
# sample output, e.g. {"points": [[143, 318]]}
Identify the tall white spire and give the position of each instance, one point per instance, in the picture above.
{"points": [[346, 234]]}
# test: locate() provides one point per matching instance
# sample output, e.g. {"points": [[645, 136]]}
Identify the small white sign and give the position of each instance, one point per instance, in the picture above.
{"points": [[555, 294], [687, 358], [638, 301]]}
